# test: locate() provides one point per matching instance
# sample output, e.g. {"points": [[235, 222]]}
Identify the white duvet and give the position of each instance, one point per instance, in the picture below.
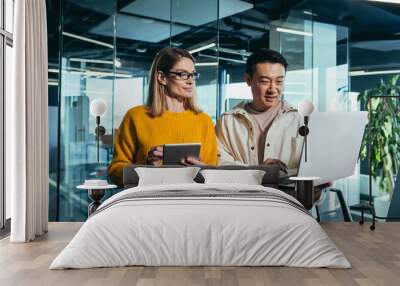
{"points": [[188, 231]]}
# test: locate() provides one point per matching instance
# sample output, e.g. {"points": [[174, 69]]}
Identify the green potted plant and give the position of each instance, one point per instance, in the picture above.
{"points": [[384, 124]]}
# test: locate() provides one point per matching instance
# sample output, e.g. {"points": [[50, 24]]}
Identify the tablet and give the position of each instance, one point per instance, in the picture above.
{"points": [[174, 153]]}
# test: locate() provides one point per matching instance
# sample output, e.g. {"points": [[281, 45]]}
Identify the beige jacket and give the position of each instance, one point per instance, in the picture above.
{"points": [[236, 142]]}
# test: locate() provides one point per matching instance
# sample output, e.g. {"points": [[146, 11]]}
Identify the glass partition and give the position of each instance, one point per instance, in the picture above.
{"points": [[108, 56], [198, 33], [242, 29], [293, 36], [87, 73], [318, 71], [381, 147], [375, 63], [142, 29]]}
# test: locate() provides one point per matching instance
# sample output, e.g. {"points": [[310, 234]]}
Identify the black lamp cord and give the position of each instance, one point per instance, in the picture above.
{"points": [[305, 137], [98, 138], [303, 131]]}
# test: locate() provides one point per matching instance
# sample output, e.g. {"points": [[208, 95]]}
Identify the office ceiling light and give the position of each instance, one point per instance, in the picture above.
{"points": [[361, 73], [176, 44], [202, 48], [307, 12], [235, 52], [296, 32], [100, 74], [89, 73], [91, 61], [86, 39], [232, 60], [117, 62], [222, 58], [386, 1], [206, 64], [141, 50]]}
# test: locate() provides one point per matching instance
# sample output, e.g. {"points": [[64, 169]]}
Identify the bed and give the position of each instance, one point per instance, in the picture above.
{"points": [[201, 224]]}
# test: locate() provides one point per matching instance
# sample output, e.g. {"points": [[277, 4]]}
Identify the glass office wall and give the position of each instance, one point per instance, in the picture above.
{"points": [[375, 67], [87, 71], [141, 29], [293, 36], [236, 42], [318, 71], [331, 92], [198, 33], [383, 151], [106, 49]]}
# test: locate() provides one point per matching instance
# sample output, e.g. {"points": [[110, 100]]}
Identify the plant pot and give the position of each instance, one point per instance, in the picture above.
{"points": [[382, 204]]}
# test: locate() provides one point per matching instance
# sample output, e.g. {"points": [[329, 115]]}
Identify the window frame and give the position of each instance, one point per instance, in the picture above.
{"points": [[6, 39]]}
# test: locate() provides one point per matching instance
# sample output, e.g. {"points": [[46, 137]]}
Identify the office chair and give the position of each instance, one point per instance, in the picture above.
{"points": [[289, 189], [394, 208], [345, 210]]}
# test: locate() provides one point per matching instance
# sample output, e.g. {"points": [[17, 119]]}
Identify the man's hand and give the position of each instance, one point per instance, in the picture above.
{"points": [[318, 190], [155, 156], [323, 186], [189, 161], [282, 165]]}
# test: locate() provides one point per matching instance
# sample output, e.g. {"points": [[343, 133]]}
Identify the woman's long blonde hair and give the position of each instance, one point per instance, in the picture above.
{"points": [[164, 61]]}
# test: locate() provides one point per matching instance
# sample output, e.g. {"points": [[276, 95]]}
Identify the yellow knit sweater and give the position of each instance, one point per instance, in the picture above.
{"points": [[139, 132]]}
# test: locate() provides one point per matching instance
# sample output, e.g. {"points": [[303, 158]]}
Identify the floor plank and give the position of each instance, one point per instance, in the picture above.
{"points": [[374, 255]]}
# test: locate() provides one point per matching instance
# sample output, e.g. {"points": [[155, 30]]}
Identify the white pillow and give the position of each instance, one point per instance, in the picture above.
{"points": [[166, 176], [249, 177]]}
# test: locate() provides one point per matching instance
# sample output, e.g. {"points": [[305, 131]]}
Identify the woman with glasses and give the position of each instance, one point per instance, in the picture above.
{"points": [[170, 116]]}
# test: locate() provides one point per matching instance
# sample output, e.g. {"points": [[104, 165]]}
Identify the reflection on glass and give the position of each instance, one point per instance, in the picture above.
{"points": [[135, 50], [197, 33], [129, 92], [236, 42], [87, 73], [293, 36]]}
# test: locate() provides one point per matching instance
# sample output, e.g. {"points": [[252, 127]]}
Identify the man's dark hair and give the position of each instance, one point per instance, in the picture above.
{"points": [[264, 56]]}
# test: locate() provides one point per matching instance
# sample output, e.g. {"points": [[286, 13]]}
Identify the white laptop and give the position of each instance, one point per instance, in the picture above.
{"points": [[333, 145]]}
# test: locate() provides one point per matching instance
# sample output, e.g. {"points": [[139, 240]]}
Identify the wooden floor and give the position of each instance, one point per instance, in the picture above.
{"points": [[375, 256]]}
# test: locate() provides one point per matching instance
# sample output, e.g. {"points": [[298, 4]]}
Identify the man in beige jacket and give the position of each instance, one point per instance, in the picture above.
{"points": [[265, 130]]}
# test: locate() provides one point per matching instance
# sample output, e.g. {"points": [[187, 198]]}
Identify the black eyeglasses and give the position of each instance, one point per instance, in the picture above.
{"points": [[185, 75]]}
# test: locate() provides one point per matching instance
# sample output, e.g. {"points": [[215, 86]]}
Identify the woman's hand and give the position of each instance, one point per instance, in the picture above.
{"points": [[189, 161], [155, 156]]}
